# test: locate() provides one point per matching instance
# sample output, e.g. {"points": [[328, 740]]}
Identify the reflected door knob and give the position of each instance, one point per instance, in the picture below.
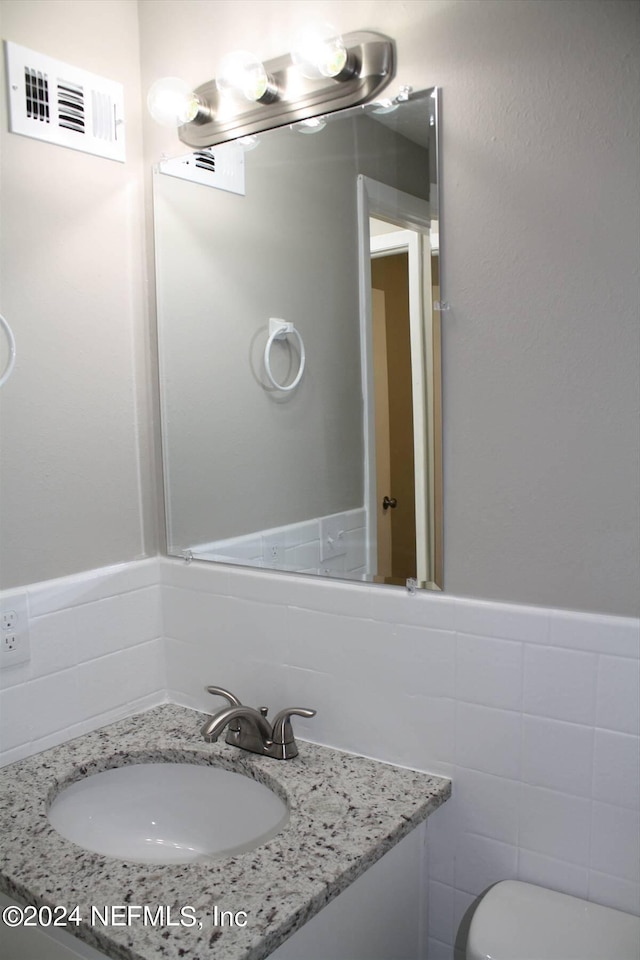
{"points": [[389, 502]]}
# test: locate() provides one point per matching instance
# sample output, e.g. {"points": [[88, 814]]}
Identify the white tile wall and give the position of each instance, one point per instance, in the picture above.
{"points": [[96, 655], [334, 544], [533, 712]]}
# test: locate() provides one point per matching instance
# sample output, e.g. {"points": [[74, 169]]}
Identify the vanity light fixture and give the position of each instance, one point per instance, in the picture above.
{"points": [[326, 72]]}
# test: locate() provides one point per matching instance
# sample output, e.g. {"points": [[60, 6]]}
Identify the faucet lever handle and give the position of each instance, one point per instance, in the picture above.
{"points": [[282, 729], [231, 698]]}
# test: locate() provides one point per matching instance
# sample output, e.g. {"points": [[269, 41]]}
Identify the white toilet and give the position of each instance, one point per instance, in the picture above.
{"points": [[520, 921]]}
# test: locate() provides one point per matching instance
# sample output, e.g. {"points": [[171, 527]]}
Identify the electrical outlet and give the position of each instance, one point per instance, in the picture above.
{"points": [[272, 550], [333, 539], [14, 630]]}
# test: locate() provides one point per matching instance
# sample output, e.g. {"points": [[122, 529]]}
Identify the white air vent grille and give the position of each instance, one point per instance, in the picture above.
{"points": [[221, 167], [53, 101], [71, 107], [37, 94], [205, 161]]}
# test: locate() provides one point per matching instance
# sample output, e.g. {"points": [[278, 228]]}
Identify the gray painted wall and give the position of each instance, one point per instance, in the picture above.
{"points": [[540, 254], [75, 483]]}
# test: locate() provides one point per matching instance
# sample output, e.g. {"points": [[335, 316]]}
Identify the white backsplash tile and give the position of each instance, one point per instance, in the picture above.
{"points": [[21, 673], [616, 769], [560, 684], [553, 873], [54, 642], [194, 615], [557, 755], [488, 740], [481, 862], [424, 663], [618, 697], [209, 577], [91, 585], [488, 805], [99, 628], [96, 653], [442, 831], [555, 824], [462, 904], [614, 892], [16, 715], [56, 702], [186, 669], [437, 950], [441, 911], [489, 672], [503, 620], [424, 734], [534, 713], [614, 636], [615, 841]]}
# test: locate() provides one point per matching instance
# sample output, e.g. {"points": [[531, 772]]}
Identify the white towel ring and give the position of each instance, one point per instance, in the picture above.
{"points": [[279, 330], [8, 370]]}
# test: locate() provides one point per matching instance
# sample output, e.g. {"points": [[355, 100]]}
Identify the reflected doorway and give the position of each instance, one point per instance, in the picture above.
{"points": [[393, 222], [395, 464]]}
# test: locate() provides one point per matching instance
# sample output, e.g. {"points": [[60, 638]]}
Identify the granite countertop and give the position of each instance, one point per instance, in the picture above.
{"points": [[345, 813]]}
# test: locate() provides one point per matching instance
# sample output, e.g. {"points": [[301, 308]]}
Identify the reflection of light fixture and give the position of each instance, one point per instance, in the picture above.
{"points": [[319, 51], [249, 96], [240, 73], [249, 143], [382, 106], [313, 125], [172, 102]]}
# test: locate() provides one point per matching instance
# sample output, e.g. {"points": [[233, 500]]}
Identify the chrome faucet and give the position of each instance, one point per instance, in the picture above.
{"points": [[249, 728]]}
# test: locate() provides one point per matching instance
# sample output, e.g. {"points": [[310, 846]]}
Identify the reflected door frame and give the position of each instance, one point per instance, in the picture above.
{"points": [[413, 219]]}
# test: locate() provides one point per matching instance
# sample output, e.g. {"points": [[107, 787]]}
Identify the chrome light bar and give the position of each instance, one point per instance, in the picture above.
{"points": [[370, 66]]}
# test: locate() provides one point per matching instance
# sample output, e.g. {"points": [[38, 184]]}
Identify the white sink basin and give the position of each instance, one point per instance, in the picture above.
{"points": [[168, 813]]}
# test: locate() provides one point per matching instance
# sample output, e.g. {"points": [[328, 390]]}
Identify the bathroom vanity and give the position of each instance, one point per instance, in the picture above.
{"points": [[345, 812]]}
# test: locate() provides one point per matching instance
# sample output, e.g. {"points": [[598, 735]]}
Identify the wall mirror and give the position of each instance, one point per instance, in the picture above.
{"points": [[299, 346]]}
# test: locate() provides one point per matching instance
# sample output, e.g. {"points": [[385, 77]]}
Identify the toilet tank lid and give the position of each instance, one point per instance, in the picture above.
{"points": [[521, 921]]}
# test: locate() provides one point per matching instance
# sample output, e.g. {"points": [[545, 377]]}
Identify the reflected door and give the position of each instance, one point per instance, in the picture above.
{"points": [[395, 466]]}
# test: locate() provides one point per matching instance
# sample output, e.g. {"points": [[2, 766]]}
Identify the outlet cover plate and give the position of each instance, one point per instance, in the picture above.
{"points": [[333, 537], [15, 647]]}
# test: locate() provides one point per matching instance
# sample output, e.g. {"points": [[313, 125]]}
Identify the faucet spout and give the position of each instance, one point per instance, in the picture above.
{"points": [[246, 716]]}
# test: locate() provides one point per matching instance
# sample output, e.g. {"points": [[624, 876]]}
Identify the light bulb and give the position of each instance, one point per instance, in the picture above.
{"points": [[313, 125], [319, 51], [382, 106], [172, 102], [249, 143], [242, 74]]}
